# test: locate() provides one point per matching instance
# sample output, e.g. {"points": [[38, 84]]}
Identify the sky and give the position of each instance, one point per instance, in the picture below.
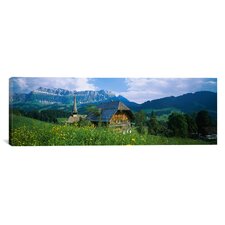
{"points": [[134, 89]]}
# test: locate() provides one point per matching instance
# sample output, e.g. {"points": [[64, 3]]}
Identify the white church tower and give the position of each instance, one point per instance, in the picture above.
{"points": [[75, 106], [74, 118]]}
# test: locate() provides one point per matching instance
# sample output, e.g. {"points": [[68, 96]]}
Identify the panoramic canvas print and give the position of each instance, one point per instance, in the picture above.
{"points": [[48, 111]]}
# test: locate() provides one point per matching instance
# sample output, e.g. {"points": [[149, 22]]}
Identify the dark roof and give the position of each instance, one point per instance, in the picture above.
{"points": [[113, 105], [108, 109]]}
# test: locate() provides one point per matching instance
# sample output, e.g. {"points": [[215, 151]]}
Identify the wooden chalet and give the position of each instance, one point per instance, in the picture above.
{"points": [[114, 114]]}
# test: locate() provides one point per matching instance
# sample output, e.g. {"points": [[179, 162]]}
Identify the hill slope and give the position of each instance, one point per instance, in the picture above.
{"points": [[188, 103], [30, 132]]}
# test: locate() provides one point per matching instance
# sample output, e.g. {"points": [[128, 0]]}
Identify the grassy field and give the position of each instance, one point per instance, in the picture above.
{"points": [[62, 120], [30, 132]]}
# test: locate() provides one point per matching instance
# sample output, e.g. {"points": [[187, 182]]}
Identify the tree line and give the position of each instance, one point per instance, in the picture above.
{"points": [[44, 115], [178, 124]]}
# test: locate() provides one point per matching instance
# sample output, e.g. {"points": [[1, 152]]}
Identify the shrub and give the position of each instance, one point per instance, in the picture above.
{"points": [[84, 123]]}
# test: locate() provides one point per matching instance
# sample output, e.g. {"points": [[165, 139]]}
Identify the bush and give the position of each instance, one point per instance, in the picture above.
{"points": [[84, 123], [163, 130]]}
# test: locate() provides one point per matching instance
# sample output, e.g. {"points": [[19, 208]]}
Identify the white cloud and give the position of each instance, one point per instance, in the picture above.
{"points": [[79, 84], [211, 82], [144, 89], [22, 83], [26, 84]]}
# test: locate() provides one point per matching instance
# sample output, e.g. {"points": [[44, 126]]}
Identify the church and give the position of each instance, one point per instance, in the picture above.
{"points": [[75, 117], [113, 114]]}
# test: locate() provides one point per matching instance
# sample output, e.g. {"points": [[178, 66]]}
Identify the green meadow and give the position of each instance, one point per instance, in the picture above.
{"points": [[30, 132]]}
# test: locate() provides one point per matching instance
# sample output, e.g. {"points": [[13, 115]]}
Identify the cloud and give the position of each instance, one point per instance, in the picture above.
{"points": [[27, 84], [144, 89]]}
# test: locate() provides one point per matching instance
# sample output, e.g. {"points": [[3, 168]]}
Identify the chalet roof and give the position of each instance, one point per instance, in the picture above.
{"points": [[113, 105], [107, 110]]}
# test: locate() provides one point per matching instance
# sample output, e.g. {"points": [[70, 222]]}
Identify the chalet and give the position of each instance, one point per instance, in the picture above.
{"points": [[114, 114]]}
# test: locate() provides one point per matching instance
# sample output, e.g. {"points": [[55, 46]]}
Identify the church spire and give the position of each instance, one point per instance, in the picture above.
{"points": [[75, 106]]}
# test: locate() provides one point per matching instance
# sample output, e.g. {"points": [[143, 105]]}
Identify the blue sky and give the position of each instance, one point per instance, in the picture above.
{"points": [[135, 89], [111, 84]]}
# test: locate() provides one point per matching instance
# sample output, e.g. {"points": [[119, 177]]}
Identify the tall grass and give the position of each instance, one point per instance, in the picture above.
{"points": [[30, 132]]}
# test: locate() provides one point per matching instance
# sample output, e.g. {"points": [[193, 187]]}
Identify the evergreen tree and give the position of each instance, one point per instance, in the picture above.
{"points": [[140, 121], [203, 122], [178, 124], [153, 125], [192, 126], [96, 112]]}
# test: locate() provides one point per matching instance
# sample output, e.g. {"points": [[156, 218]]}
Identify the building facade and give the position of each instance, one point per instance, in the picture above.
{"points": [[113, 114]]}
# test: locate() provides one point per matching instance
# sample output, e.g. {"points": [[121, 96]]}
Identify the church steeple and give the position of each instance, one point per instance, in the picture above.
{"points": [[74, 106]]}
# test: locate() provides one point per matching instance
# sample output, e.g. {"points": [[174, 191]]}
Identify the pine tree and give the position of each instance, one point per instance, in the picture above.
{"points": [[203, 122], [192, 126], [140, 121], [153, 124], [178, 124]]}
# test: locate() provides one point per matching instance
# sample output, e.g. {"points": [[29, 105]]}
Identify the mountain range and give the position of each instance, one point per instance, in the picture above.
{"points": [[57, 98]]}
